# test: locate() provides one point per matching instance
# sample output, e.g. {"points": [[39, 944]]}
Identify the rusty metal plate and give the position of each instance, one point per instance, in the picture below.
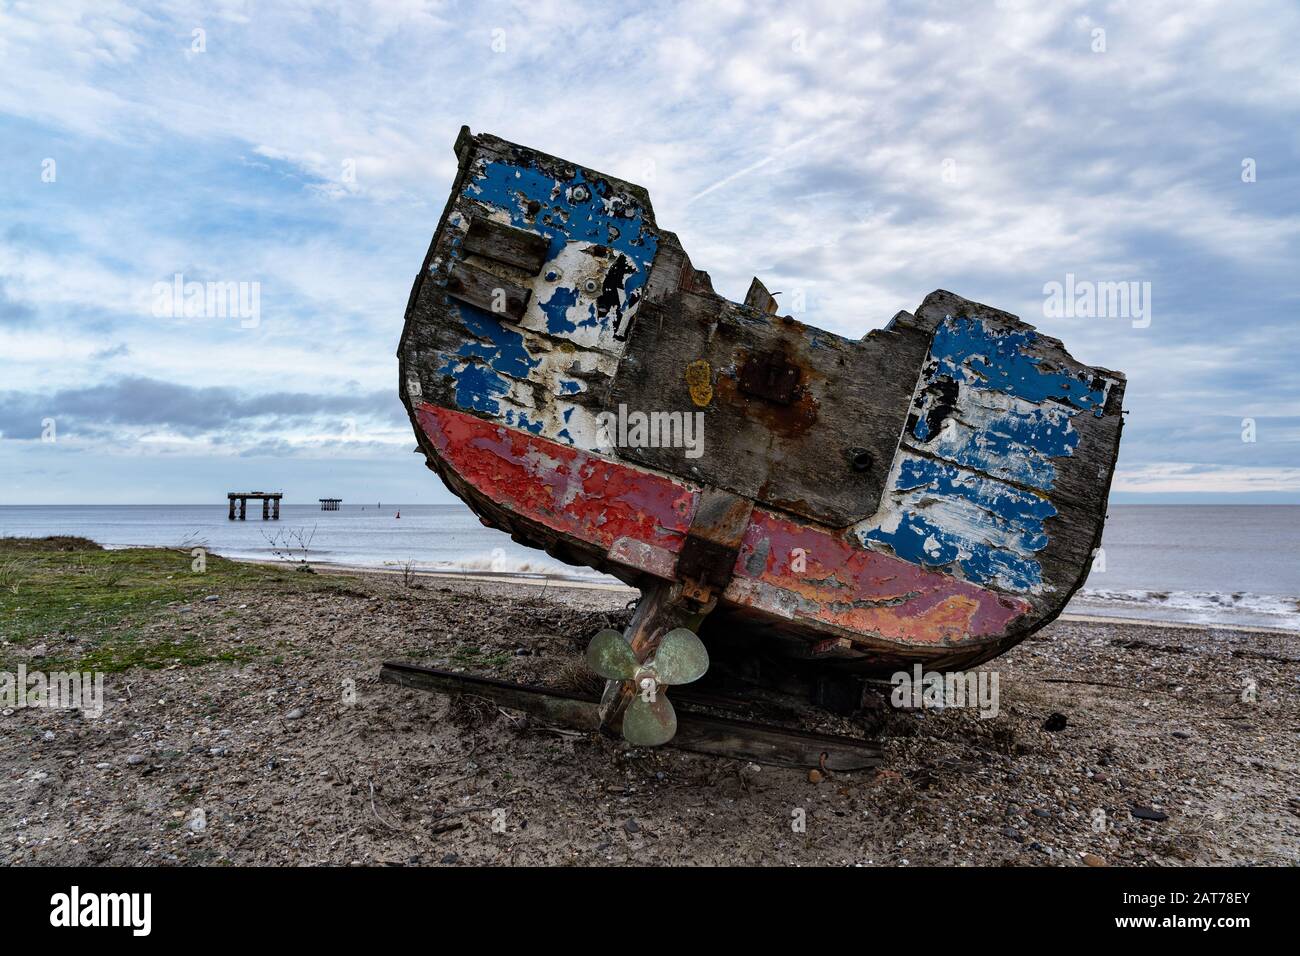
{"points": [[713, 541], [770, 377]]}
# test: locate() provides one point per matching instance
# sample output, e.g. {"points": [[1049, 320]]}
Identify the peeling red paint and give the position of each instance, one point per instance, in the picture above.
{"points": [[564, 488], [826, 577], [785, 569]]}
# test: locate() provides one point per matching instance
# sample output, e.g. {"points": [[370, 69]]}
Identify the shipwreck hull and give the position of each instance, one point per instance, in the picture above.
{"points": [[930, 493]]}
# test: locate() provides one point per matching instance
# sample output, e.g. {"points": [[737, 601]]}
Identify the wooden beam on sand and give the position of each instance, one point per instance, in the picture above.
{"points": [[696, 732]]}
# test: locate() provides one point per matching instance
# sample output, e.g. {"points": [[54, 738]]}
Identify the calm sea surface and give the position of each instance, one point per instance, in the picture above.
{"points": [[1206, 564]]}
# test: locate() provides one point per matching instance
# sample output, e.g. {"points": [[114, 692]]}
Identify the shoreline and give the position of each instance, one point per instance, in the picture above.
{"points": [[576, 582], [589, 582]]}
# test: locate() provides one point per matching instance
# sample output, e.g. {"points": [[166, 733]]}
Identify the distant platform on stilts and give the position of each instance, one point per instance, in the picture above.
{"points": [[270, 503], [329, 504]]}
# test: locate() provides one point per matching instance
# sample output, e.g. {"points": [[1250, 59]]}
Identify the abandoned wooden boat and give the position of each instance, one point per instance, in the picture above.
{"points": [[800, 510]]}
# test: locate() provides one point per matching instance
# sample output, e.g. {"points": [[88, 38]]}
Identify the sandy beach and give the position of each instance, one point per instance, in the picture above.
{"points": [[269, 740]]}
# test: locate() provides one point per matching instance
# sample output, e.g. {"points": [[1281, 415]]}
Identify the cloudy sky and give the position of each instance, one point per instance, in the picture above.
{"points": [[861, 155]]}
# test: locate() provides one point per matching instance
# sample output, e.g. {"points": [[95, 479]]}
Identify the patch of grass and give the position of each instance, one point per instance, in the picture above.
{"points": [[53, 542], [470, 656], [11, 572], [115, 654], [465, 656], [105, 598], [111, 576]]}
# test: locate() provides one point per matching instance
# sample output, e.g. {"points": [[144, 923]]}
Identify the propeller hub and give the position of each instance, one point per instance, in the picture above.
{"points": [[680, 658], [646, 683]]}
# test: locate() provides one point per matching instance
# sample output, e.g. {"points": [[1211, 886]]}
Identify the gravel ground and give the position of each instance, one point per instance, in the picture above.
{"points": [[303, 757]]}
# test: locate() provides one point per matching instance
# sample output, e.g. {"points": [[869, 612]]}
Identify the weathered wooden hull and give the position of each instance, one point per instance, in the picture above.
{"points": [[932, 493]]}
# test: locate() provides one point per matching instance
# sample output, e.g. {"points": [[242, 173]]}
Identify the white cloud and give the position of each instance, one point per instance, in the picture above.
{"points": [[1184, 477], [806, 146]]}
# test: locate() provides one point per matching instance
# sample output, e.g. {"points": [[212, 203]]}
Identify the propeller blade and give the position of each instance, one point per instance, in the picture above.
{"points": [[610, 656], [681, 657], [648, 724]]}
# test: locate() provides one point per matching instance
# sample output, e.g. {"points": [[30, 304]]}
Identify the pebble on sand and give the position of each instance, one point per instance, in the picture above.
{"points": [[1147, 813], [1056, 721]]}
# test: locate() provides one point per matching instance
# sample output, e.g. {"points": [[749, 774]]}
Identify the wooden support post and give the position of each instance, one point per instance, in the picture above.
{"points": [[243, 509], [266, 509], [276, 514], [232, 507]]}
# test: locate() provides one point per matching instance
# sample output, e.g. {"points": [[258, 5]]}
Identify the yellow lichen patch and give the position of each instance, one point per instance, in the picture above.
{"points": [[699, 379]]}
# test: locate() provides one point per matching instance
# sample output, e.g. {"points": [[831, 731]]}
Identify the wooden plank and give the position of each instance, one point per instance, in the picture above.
{"points": [[775, 746], [517, 247], [824, 455], [488, 291], [759, 298], [696, 733], [566, 709]]}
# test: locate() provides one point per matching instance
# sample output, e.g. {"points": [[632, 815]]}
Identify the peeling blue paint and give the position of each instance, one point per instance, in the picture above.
{"points": [[501, 347], [564, 432], [477, 386], [987, 404], [971, 353], [940, 514], [520, 420], [987, 415], [602, 218], [556, 310], [497, 352], [1014, 445]]}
